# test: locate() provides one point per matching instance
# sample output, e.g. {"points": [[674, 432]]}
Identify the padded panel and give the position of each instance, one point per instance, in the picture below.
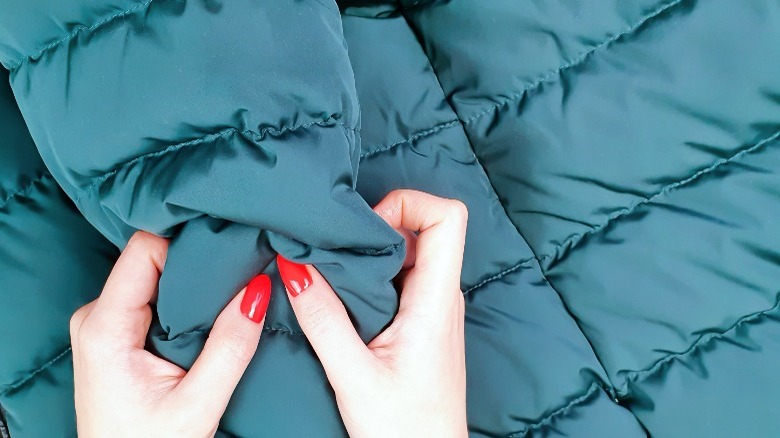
{"points": [[591, 415], [20, 164], [546, 366], [486, 53], [691, 262], [52, 262], [155, 78], [409, 101], [634, 119], [723, 388], [433, 164], [516, 325], [619, 162], [29, 28], [43, 407]]}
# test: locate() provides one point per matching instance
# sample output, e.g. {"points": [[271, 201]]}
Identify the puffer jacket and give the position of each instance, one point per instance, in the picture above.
{"points": [[619, 160]]}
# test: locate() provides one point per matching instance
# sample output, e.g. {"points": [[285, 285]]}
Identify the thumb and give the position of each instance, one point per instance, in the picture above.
{"points": [[324, 320], [231, 345]]}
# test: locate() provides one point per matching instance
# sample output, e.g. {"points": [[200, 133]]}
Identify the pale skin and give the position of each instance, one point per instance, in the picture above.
{"points": [[417, 364]]}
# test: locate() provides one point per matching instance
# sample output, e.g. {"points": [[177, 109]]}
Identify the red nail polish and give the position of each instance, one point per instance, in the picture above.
{"points": [[256, 298], [295, 276]]}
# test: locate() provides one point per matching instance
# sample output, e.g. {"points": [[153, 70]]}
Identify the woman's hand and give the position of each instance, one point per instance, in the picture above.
{"points": [[411, 379], [122, 389]]}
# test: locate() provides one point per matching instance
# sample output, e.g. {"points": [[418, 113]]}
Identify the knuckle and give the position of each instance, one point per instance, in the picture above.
{"points": [[238, 345], [317, 316], [141, 237], [76, 320], [143, 244], [143, 241], [138, 238], [457, 210]]}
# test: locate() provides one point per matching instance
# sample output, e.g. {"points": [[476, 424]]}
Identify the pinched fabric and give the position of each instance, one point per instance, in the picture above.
{"points": [[619, 160]]}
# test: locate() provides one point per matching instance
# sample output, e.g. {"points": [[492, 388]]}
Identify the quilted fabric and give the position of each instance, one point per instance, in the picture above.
{"points": [[619, 160]]}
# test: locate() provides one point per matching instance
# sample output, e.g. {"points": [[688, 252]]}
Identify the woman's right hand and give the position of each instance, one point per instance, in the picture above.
{"points": [[411, 379]]}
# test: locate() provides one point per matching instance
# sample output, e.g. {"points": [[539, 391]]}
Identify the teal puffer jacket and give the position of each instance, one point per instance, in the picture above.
{"points": [[620, 162]]}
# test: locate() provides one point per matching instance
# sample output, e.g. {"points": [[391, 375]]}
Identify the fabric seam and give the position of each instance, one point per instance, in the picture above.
{"points": [[26, 189], [499, 275], [534, 257], [561, 411], [205, 139], [572, 242], [702, 340], [582, 57], [78, 30], [421, 134], [205, 331], [32, 374]]}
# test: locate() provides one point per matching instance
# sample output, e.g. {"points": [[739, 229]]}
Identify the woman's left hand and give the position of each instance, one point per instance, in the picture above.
{"points": [[122, 389]]}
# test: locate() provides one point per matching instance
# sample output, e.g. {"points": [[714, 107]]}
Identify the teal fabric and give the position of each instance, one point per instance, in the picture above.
{"points": [[51, 262], [619, 160]]}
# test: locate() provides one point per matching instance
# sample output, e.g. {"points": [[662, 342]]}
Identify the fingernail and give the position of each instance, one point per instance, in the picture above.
{"points": [[295, 276], [256, 298]]}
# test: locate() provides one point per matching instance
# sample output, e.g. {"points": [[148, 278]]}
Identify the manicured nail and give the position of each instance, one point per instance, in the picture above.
{"points": [[256, 298], [295, 276]]}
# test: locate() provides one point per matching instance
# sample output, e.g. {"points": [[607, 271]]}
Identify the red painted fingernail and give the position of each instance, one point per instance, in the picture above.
{"points": [[256, 298], [295, 276]]}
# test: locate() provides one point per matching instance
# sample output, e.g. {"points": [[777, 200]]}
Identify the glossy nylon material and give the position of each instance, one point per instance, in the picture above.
{"points": [[51, 262], [618, 160]]}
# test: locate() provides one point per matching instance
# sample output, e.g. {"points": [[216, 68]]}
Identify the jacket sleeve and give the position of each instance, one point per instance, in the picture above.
{"points": [[230, 127]]}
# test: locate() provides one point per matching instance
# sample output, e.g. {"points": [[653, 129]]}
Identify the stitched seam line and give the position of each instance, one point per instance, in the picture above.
{"points": [[284, 331], [206, 331], [578, 60], [500, 275], [535, 257], [26, 189], [78, 30], [560, 412], [389, 249], [205, 139], [574, 241], [17, 384], [413, 138], [208, 138], [702, 340], [20, 382]]}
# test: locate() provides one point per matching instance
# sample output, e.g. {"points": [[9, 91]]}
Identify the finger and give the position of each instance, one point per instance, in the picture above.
{"points": [[324, 320], [411, 247], [123, 306], [76, 321], [409, 258], [230, 347], [441, 224]]}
